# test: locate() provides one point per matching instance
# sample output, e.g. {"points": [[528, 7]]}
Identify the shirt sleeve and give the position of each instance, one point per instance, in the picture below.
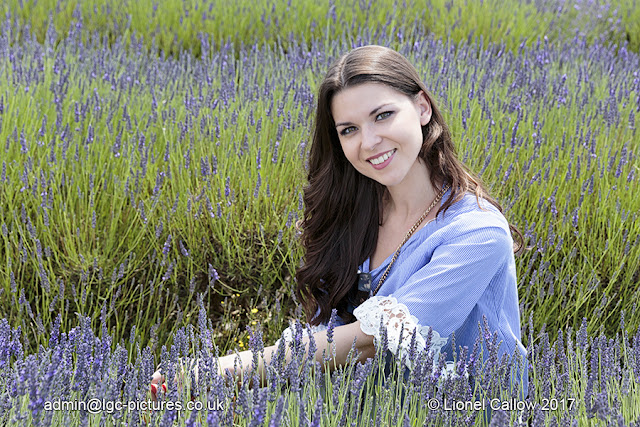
{"points": [[400, 326], [443, 292]]}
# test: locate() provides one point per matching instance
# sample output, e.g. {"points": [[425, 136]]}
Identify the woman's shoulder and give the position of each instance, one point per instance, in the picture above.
{"points": [[473, 213]]}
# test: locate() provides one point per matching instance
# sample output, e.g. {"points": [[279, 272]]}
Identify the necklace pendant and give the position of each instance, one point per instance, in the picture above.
{"points": [[364, 282]]}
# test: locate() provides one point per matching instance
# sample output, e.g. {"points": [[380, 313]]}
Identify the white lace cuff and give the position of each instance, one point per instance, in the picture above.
{"points": [[393, 315], [289, 333]]}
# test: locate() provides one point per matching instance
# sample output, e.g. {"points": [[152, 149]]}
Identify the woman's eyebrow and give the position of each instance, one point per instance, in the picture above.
{"points": [[375, 110]]}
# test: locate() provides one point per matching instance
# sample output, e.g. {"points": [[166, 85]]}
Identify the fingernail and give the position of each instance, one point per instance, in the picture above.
{"points": [[164, 388], [154, 389]]}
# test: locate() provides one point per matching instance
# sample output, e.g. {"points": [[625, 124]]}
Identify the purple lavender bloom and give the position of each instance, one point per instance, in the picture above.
{"points": [[166, 246], [24, 147], [552, 202], [174, 208], [499, 419], [507, 173], [214, 164], [12, 279], [159, 229], [183, 250], [55, 332], [187, 159], [258, 184], [317, 413], [142, 213], [274, 157], [121, 270], [213, 275], [276, 419], [204, 167]]}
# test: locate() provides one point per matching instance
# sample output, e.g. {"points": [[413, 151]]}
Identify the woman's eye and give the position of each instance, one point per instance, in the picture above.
{"points": [[344, 131]]}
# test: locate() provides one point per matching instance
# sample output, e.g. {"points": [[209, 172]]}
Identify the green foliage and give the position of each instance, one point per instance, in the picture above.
{"points": [[105, 187], [175, 27]]}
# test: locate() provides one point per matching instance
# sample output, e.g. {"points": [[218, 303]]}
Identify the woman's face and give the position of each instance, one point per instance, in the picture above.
{"points": [[380, 130]]}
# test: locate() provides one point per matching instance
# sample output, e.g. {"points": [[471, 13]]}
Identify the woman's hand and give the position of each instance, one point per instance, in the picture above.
{"points": [[226, 363], [157, 383], [183, 372]]}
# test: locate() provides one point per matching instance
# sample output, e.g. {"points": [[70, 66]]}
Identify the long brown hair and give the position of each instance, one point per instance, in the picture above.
{"points": [[343, 208]]}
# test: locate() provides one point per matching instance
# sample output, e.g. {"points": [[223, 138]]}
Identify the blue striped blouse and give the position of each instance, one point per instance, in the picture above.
{"points": [[455, 270]]}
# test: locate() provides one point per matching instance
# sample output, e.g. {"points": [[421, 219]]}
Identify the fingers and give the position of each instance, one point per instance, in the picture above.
{"points": [[154, 390], [157, 382], [181, 378], [157, 378]]}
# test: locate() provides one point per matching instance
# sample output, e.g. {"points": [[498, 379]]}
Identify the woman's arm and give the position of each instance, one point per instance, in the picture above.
{"points": [[343, 338]]}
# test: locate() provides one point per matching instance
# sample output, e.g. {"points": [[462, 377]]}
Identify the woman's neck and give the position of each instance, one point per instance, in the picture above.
{"points": [[407, 201]]}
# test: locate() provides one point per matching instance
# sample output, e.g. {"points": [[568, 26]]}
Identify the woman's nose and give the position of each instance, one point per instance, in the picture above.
{"points": [[370, 137]]}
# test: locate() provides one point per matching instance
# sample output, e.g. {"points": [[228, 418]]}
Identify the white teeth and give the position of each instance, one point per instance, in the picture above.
{"points": [[382, 158]]}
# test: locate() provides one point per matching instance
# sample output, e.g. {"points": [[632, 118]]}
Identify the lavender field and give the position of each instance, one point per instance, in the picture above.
{"points": [[152, 172]]}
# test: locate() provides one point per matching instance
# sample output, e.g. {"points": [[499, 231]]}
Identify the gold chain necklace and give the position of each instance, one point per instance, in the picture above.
{"points": [[409, 234]]}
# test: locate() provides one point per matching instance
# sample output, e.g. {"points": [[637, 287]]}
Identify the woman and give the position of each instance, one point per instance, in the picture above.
{"points": [[395, 226]]}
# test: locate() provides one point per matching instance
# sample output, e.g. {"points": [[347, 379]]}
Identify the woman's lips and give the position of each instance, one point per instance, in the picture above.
{"points": [[386, 162]]}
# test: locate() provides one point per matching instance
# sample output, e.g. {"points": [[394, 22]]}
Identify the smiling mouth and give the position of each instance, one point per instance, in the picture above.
{"points": [[381, 159]]}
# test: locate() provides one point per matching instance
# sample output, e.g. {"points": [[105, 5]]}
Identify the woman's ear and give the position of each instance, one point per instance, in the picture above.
{"points": [[424, 108]]}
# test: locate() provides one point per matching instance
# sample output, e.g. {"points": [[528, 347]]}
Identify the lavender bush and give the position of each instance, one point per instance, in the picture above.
{"points": [[129, 179], [577, 379], [136, 175], [174, 27]]}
